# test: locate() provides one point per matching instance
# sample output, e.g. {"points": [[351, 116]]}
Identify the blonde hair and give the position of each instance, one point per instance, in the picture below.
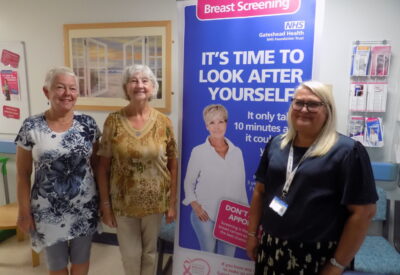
{"points": [[212, 110], [328, 135]]}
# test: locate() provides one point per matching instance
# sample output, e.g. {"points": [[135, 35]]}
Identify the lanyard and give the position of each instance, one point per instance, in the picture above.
{"points": [[289, 172]]}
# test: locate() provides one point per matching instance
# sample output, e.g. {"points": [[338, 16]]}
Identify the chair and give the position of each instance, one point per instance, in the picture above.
{"points": [[165, 244], [376, 254], [9, 213]]}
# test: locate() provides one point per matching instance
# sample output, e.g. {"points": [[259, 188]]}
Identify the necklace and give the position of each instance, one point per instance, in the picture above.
{"points": [[138, 123]]}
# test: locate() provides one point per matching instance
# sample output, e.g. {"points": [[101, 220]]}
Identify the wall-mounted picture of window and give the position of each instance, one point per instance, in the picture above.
{"points": [[98, 53]]}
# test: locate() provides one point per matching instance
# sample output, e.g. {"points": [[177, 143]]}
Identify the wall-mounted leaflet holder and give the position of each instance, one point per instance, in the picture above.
{"points": [[371, 58], [370, 68]]}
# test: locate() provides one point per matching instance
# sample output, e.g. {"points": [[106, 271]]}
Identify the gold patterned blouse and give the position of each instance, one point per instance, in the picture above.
{"points": [[140, 180]]}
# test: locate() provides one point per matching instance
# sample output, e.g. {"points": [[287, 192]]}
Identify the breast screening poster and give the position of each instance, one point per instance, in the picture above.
{"points": [[248, 56]]}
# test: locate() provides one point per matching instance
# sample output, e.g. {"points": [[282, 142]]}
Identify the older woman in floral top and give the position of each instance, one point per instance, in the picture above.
{"points": [[61, 210], [138, 172]]}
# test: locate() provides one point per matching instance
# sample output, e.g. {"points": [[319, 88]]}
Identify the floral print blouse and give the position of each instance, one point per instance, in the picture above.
{"points": [[64, 199], [140, 180]]}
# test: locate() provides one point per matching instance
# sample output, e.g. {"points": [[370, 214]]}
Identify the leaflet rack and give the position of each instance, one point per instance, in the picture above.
{"points": [[370, 68]]}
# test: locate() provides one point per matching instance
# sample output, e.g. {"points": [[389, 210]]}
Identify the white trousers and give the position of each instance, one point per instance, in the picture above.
{"points": [[137, 239]]}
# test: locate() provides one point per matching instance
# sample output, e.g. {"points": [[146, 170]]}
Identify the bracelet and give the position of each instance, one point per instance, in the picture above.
{"points": [[106, 203], [336, 264], [252, 234]]}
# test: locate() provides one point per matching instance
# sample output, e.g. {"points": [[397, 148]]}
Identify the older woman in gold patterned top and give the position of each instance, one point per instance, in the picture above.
{"points": [[138, 172]]}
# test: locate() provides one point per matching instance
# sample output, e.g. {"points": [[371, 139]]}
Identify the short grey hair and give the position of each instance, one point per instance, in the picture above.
{"points": [[212, 110], [143, 69], [54, 72], [328, 135]]}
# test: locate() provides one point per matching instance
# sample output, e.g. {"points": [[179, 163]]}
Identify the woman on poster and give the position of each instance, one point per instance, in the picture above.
{"points": [[6, 89], [215, 171], [315, 193]]}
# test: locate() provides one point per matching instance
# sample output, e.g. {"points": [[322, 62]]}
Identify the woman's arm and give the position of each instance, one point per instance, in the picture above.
{"points": [[192, 172], [24, 171], [243, 192], [173, 169], [103, 182], [94, 158], [353, 235], [256, 209]]}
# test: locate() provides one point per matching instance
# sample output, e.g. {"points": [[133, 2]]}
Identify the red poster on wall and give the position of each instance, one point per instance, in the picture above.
{"points": [[11, 112], [9, 58]]}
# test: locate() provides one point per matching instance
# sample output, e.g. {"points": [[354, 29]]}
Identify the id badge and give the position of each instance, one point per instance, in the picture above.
{"points": [[279, 206]]}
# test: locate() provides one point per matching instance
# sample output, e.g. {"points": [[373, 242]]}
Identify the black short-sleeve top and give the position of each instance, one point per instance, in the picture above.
{"points": [[320, 191]]}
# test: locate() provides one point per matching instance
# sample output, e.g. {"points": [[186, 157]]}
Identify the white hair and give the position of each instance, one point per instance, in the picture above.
{"points": [[143, 69], [54, 72]]}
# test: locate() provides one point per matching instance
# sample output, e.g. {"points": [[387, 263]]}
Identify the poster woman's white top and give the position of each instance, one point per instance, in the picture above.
{"points": [[211, 178]]}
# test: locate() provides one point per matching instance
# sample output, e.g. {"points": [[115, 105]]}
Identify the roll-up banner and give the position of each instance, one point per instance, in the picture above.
{"points": [[247, 56]]}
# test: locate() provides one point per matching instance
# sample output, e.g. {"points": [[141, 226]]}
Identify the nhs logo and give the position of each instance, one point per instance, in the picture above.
{"points": [[295, 25]]}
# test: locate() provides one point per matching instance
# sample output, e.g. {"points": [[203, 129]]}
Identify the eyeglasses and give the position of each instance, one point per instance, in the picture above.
{"points": [[311, 106], [136, 80]]}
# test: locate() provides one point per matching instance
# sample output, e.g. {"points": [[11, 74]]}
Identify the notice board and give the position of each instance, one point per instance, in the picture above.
{"points": [[14, 97]]}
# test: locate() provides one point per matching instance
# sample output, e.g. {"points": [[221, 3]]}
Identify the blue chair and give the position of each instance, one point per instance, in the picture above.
{"points": [[376, 254], [165, 245]]}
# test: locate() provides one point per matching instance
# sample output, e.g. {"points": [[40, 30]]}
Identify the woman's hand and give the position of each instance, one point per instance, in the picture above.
{"points": [[199, 211], [26, 223], [331, 270], [353, 234], [256, 210], [170, 215], [107, 216], [252, 247]]}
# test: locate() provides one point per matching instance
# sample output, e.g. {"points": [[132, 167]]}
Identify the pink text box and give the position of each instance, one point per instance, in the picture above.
{"points": [[9, 58], [232, 222], [220, 9], [11, 112]]}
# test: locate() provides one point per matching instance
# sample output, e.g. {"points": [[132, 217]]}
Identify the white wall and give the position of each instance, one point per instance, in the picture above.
{"points": [[39, 24], [346, 21]]}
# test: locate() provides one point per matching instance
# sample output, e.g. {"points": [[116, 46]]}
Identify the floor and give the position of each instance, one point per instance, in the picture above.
{"points": [[15, 259]]}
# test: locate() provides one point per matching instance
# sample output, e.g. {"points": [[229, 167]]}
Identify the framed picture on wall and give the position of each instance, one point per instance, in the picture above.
{"points": [[99, 52]]}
